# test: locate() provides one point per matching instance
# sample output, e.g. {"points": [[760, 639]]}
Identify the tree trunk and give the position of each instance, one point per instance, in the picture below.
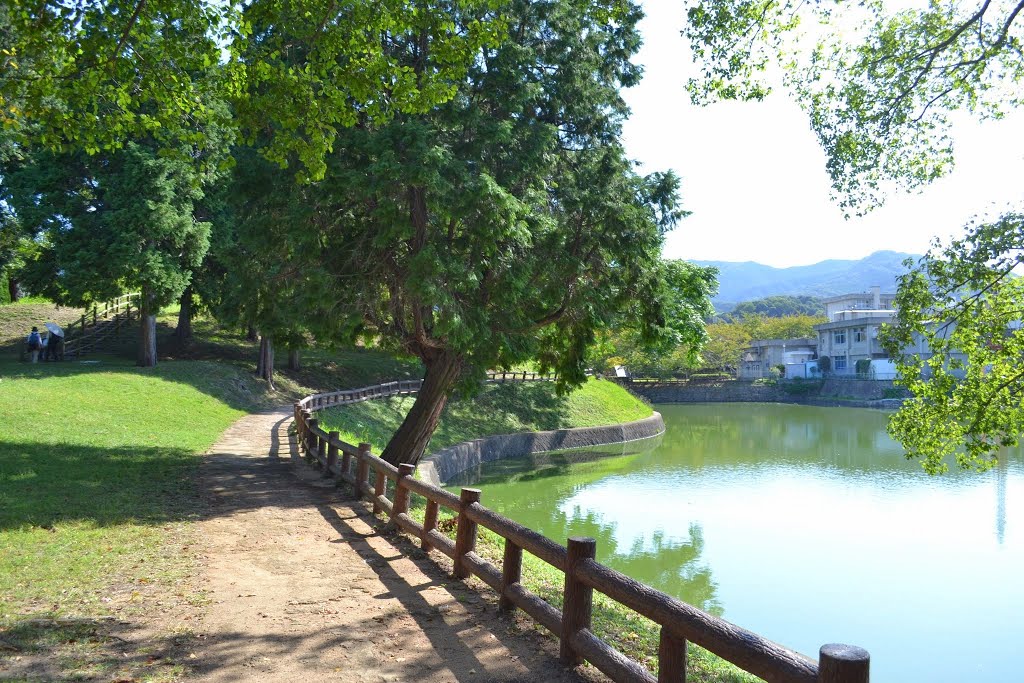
{"points": [[184, 329], [265, 364], [147, 338], [410, 441], [12, 288], [293, 359], [251, 334]]}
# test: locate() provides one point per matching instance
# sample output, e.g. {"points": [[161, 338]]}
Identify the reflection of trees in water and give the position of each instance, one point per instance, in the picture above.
{"points": [[738, 434], [532, 490], [669, 563]]}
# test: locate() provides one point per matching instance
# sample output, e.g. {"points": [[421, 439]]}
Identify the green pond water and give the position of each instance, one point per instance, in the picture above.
{"points": [[805, 525]]}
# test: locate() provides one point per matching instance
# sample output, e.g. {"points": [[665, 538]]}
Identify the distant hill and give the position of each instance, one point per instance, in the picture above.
{"points": [[746, 281]]}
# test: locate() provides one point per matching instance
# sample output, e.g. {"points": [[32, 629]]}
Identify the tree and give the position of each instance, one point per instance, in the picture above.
{"points": [[109, 223], [778, 306], [964, 304], [725, 346], [504, 225], [687, 304], [881, 106]]}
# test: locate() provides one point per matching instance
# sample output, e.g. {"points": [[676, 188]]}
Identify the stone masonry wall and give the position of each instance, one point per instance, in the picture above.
{"points": [[444, 464]]}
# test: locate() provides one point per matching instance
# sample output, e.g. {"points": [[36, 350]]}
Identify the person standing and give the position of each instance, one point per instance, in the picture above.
{"points": [[54, 346], [35, 343]]}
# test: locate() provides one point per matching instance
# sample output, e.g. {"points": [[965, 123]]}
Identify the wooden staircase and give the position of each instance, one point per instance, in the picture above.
{"points": [[99, 326]]}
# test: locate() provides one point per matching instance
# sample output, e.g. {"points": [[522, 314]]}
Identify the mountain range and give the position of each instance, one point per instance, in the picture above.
{"points": [[744, 281]]}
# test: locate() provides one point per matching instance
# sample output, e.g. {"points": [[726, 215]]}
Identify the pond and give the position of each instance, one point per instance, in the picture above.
{"points": [[805, 525]]}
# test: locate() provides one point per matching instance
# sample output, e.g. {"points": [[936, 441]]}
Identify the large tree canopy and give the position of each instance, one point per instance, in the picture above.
{"points": [[91, 74], [881, 88], [504, 225]]}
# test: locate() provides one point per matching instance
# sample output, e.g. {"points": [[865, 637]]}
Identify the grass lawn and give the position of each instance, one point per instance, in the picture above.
{"points": [[96, 465]]}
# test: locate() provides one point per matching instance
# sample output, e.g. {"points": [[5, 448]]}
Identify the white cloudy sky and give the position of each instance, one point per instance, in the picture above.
{"points": [[754, 177]]}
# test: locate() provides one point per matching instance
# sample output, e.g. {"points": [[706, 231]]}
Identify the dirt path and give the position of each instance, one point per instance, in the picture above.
{"points": [[303, 587]]}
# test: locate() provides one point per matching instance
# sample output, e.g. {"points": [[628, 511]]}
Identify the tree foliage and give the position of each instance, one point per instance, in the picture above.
{"points": [[778, 307], [879, 85], [95, 73], [966, 305]]}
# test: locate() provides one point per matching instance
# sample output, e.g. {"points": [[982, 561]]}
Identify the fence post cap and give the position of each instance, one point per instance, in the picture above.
{"points": [[846, 653], [406, 470], [469, 495]]}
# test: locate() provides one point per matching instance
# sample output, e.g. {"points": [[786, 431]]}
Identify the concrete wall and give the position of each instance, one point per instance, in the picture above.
{"points": [[441, 466], [840, 392]]}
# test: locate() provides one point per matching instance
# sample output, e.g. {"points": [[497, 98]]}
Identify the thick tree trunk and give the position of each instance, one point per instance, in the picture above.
{"points": [[293, 359], [184, 329], [410, 441], [12, 288], [147, 337], [265, 364]]}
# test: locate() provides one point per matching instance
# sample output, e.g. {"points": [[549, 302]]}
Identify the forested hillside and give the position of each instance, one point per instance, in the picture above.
{"points": [[746, 281]]}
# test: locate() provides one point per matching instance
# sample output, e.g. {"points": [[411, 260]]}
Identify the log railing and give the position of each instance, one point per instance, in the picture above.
{"points": [[98, 323], [679, 622]]}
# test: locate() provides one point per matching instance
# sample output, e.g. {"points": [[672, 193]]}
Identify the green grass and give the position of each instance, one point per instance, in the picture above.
{"points": [[96, 461], [498, 409]]}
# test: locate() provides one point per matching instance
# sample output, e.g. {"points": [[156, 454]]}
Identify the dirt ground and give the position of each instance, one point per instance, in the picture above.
{"points": [[303, 585]]}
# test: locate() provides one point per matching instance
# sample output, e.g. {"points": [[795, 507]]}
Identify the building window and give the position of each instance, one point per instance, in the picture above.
{"points": [[839, 337], [838, 363], [860, 335]]}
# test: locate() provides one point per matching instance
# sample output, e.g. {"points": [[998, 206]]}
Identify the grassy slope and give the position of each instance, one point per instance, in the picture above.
{"points": [[498, 409]]}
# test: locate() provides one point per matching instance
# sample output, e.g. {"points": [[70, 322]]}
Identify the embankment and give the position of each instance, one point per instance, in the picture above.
{"points": [[828, 392]]}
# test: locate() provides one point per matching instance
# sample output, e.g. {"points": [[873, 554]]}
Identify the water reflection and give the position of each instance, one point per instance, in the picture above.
{"points": [[551, 493], [806, 525]]}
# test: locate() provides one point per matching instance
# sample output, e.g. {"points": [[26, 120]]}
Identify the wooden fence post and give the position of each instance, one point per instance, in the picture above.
{"points": [[578, 598], [379, 485], [332, 452], [321, 453], [671, 658], [362, 470], [511, 573], [465, 532], [312, 444], [401, 502], [304, 441], [843, 664], [346, 465], [429, 524]]}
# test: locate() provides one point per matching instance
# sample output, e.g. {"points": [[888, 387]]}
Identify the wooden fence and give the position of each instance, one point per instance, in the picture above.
{"points": [[680, 622], [103, 321]]}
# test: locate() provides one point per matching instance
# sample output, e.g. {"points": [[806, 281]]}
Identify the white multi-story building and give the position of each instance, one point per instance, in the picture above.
{"points": [[763, 354], [851, 333]]}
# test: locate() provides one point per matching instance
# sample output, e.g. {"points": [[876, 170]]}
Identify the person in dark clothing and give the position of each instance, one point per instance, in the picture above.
{"points": [[35, 343], [54, 346]]}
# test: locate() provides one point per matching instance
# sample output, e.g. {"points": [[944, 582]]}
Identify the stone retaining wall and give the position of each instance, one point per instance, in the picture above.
{"points": [[441, 466], [831, 392]]}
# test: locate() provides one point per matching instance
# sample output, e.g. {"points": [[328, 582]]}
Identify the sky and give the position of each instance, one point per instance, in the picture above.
{"points": [[754, 176]]}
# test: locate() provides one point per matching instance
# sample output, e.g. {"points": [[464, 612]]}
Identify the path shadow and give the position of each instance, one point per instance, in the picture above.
{"points": [[449, 636]]}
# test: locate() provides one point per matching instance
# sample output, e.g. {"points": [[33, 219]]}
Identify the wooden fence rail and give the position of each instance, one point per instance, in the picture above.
{"points": [[679, 622], [83, 334]]}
